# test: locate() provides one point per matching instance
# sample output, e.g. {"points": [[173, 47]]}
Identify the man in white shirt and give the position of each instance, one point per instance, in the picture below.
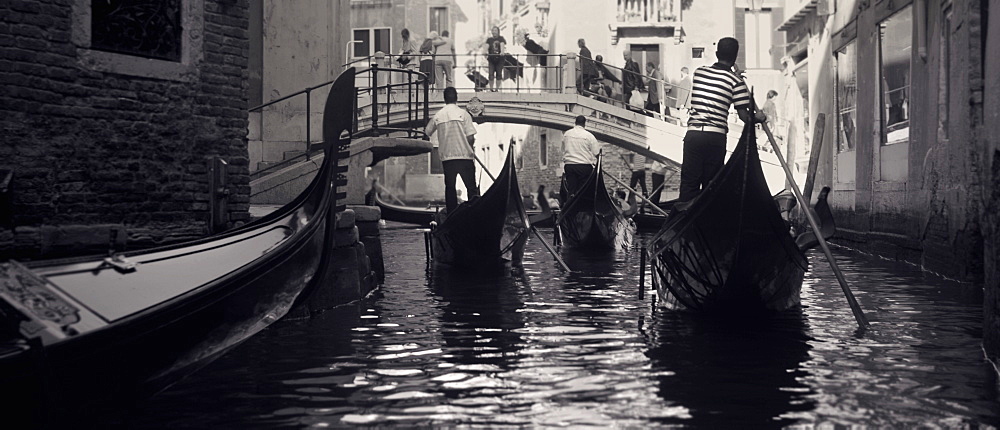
{"points": [[456, 136], [580, 149]]}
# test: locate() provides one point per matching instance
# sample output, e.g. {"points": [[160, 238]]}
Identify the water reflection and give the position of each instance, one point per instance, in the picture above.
{"points": [[479, 318], [732, 373], [543, 348]]}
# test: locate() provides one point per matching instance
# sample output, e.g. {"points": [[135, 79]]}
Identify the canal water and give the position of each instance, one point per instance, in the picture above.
{"points": [[543, 348]]}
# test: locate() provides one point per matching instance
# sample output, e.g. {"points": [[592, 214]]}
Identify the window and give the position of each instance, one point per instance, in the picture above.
{"points": [[144, 28], [896, 34], [697, 52], [372, 40], [438, 19], [944, 73], [543, 150], [847, 96], [758, 38], [146, 38], [643, 54]]}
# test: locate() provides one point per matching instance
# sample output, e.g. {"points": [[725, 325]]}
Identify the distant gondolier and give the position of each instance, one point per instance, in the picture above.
{"points": [[638, 167], [714, 89], [658, 173], [580, 149], [456, 136]]}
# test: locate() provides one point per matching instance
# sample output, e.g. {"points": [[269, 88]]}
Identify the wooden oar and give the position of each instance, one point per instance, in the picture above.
{"points": [[659, 209], [859, 315], [530, 227]]}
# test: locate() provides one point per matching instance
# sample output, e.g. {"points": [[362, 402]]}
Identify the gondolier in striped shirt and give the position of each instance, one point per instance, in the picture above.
{"points": [[713, 90], [453, 128]]}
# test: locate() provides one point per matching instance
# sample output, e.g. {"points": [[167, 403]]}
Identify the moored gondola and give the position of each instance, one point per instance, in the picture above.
{"points": [[422, 216], [591, 220], [729, 249], [485, 234], [87, 336]]}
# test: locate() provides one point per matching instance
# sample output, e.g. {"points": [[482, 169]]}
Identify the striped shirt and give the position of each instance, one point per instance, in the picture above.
{"points": [[714, 88], [451, 126]]}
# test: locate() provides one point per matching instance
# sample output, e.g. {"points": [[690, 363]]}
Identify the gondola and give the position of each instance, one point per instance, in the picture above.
{"points": [[486, 233], [729, 250], [405, 214], [422, 216], [591, 220], [652, 220], [88, 336]]}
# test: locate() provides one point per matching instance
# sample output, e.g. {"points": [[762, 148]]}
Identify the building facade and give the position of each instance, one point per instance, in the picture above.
{"points": [[905, 116], [110, 134]]}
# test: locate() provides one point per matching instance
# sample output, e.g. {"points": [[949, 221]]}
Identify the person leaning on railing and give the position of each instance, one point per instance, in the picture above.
{"points": [[406, 52], [427, 57], [444, 61]]}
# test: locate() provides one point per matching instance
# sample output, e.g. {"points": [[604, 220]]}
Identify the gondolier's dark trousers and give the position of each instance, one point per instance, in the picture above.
{"points": [[453, 168], [638, 178], [574, 176], [704, 156], [657, 181]]}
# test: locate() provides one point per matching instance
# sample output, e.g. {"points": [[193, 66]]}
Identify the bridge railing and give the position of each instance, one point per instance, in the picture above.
{"points": [[409, 92], [533, 73], [388, 89], [536, 73], [307, 149]]}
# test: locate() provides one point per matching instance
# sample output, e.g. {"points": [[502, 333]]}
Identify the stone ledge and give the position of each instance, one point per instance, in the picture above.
{"points": [[366, 213], [345, 237]]}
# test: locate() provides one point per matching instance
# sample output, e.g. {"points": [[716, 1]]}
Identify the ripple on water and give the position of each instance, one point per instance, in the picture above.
{"points": [[542, 348]]}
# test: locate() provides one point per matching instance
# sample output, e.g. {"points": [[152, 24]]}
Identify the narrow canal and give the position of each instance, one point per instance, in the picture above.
{"points": [[548, 349]]}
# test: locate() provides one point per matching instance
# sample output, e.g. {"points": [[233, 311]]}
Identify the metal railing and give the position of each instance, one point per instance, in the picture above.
{"points": [[308, 143], [546, 75], [415, 88], [392, 83]]}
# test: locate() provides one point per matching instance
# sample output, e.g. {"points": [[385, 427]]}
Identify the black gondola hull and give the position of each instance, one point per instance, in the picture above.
{"points": [[88, 337], [591, 220], [487, 233], [729, 250]]}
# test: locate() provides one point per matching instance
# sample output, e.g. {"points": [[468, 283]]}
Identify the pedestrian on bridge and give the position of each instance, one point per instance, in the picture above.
{"points": [[656, 88], [407, 51], [444, 61], [427, 57], [456, 135], [631, 78], [588, 70], [580, 149], [714, 89], [496, 46]]}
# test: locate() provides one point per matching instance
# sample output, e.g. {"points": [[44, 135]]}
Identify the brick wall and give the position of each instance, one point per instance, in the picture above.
{"points": [[99, 142]]}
